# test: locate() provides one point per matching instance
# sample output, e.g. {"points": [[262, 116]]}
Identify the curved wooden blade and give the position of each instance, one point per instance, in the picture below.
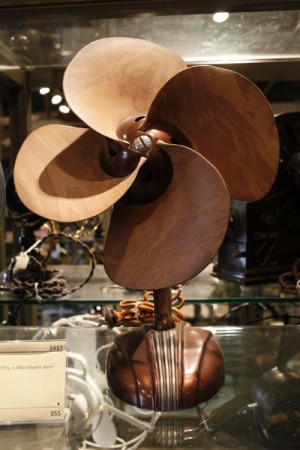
{"points": [[2, 195], [227, 119], [58, 176], [113, 78], [170, 240]]}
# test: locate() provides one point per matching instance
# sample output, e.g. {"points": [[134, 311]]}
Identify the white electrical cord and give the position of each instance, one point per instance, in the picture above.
{"points": [[133, 443], [89, 399], [86, 320]]}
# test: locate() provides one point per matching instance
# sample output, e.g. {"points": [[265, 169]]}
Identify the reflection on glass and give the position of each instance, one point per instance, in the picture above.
{"points": [[257, 408], [196, 37]]}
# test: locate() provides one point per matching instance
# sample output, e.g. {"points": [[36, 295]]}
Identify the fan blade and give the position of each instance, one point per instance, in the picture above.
{"points": [[227, 119], [58, 175], [171, 239], [113, 78]]}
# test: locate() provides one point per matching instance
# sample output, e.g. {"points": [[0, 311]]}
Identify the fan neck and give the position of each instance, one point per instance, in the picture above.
{"points": [[163, 310]]}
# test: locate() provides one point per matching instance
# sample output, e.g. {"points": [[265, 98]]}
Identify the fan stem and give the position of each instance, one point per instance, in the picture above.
{"points": [[163, 309]]}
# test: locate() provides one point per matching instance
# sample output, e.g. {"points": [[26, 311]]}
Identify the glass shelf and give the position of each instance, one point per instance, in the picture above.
{"points": [[257, 408], [202, 289]]}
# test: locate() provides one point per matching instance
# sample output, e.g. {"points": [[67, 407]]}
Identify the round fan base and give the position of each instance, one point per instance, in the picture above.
{"points": [[167, 370]]}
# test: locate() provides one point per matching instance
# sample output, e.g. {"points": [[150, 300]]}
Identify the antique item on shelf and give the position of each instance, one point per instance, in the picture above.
{"points": [[28, 274], [263, 239], [167, 146], [27, 221], [270, 409], [276, 415], [270, 405]]}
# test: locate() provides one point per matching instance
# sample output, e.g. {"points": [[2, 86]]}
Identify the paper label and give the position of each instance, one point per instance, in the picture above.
{"points": [[32, 380]]}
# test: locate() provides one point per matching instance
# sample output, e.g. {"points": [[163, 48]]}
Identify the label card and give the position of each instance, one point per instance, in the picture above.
{"points": [[32, 380]]}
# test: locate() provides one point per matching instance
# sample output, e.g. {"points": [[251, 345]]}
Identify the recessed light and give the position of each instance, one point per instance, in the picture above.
{"points": [[220, 17], [64, 109], [44, 90], [56, 99]]}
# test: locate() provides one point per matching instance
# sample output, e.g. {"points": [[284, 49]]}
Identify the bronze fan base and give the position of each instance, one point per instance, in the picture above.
{"points": [[165, 369]]}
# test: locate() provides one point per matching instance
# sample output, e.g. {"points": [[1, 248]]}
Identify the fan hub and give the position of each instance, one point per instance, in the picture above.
{"points": [[143, 143], [116, 160]]}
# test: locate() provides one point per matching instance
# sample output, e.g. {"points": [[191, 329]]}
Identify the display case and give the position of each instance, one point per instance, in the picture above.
{"points": [[38, 40], [256, 326]]}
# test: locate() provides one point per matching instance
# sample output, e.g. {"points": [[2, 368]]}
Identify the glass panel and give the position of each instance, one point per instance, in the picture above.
{"points": [[257, 407], [197, 38], [203, 288]]}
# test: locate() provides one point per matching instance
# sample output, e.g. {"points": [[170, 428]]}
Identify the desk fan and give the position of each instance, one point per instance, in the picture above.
{"points": [[166, 145]]}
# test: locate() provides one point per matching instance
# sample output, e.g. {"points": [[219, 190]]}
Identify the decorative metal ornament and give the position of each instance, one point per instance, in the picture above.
{"points": [[166, 145]]}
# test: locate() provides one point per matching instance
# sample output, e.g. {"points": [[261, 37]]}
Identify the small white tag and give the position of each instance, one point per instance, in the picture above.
{"points": [[22, 261], [32, 380]]}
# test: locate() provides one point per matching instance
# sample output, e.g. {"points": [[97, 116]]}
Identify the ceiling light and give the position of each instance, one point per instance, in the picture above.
{"points": [[56, 99], [44, 90], [220, 17], [64, 109]]}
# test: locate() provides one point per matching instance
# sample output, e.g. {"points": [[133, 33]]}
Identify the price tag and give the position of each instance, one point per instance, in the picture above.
{"points": [[32, 380]]}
